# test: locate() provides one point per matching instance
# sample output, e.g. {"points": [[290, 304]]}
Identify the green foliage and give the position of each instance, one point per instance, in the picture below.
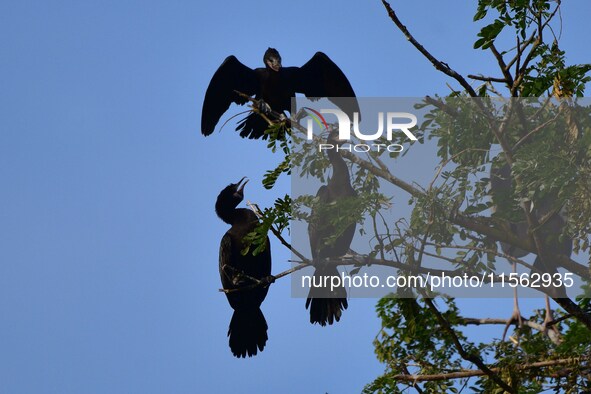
{"points": [[407, 338], [409, 344], [278, 135], [521, 15], [548, 146], [549, 149], [271, 176], [277, 217], [488, 34], [551, 70]]}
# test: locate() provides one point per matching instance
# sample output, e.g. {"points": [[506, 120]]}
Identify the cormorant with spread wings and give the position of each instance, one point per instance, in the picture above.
{"points": [[273, 86]]}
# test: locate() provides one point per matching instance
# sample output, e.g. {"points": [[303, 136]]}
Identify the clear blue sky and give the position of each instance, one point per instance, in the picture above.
{"points": [[108, 238]]}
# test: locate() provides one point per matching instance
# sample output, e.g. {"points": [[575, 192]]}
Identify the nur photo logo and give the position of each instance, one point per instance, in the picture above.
{"points": [[388, 123]]}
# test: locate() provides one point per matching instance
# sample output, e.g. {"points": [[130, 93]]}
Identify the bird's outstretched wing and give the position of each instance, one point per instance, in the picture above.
{"points": [[230, 76], [321, 77]]}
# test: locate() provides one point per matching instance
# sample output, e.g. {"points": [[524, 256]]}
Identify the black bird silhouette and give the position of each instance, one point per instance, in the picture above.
{"points": [[274, 86], [550, 231], [326, 244], [248, 327]]}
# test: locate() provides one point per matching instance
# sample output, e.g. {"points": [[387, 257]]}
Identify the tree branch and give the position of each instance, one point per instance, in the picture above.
{"points": [[439, 65], [477, 372], [261, 282], [504, 68], [474, 358], [489, 79], [474, 223], [473, 321]]}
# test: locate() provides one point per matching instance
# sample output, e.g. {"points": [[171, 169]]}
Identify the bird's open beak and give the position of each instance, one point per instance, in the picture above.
{"points": [[241, 188]]}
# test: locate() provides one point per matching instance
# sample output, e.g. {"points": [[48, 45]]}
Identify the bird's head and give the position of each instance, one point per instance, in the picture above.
{"points": [[231, 196], [272, 59]]}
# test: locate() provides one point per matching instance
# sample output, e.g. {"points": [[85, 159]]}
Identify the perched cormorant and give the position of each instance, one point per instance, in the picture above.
{"points": [[550, 230], [274, 85], [501, 182], [501, 187], [248, 327], [320, 231]]}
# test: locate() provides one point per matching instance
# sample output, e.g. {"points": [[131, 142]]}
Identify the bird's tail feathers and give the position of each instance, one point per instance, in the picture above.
{"points": [[325, 310], [247, 332]]}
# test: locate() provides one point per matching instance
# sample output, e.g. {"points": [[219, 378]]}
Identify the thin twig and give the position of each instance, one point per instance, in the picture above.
{"points": [[520, 48], [488, 79], [534, 131]]}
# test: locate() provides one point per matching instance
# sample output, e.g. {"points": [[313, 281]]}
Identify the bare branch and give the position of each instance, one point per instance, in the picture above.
{"points": [[489, 79], [575, 361], [439, 65], [468, 321], [504, 68], [520, 48]]}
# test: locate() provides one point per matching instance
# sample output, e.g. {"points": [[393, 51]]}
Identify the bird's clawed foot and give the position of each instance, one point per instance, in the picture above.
{"points": [[267, 280], [516, 319], [239, 280], [550, 328], [264, 108]]}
